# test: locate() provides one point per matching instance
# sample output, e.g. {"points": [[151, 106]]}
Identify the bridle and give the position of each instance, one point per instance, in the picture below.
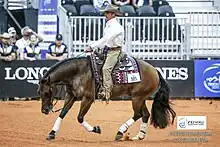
{"points": [[52, 99]]}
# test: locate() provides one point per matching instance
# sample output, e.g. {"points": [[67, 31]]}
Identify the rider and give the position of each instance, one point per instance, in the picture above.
{"points": [[112, 42]]}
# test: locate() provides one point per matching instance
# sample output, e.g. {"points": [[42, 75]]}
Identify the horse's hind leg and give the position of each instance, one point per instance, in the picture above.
{"points": [[136, 104], [143, 126], [69, 101], [85, 105]]}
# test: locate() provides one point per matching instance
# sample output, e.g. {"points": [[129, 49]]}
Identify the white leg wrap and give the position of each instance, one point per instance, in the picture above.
{"points": [[126, 125], [87, 126], [143, 130], [57, 124]]}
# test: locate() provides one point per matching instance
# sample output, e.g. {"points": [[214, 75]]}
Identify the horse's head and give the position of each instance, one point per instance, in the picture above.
{"points": [[46, 90]]}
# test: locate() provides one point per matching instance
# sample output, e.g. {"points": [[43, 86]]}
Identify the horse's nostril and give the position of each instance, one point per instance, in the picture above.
{"points": [[45, 111]]}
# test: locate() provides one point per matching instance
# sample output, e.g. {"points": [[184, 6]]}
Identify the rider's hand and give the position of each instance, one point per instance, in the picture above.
{"points": [[7, 59], [89, 49]]}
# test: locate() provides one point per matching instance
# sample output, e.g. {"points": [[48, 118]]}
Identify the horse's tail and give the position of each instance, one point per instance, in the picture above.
{"points": [[161, 110]]}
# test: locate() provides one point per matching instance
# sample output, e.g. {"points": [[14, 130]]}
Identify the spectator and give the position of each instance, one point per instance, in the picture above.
{"points": [[57, 50], [13, 35], [99, 4], [138, 3], [13, 38], [26, 32], [121, 2], [32, 51], [7, 51]]}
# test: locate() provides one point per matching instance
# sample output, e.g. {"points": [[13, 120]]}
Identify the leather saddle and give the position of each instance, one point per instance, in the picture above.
{"points": [[125, 64]]}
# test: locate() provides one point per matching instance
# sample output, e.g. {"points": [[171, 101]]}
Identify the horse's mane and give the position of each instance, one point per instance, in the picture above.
{"points": [[61, 63]]}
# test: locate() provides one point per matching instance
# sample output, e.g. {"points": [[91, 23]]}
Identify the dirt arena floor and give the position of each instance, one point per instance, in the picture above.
{"points": [[23, 125]]}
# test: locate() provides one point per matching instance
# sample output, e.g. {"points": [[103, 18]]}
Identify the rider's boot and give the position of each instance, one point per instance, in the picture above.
{"points": [[104, 95]]}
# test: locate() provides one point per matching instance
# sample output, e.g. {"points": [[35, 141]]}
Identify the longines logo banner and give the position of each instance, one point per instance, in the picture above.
{"points": [[207, 78], [178, 74], [20, 78]]}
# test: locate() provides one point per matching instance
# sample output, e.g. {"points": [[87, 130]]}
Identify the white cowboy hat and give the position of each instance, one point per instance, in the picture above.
{"points": [[23, 29], [11, 30], [5, 35], [113, 9]]}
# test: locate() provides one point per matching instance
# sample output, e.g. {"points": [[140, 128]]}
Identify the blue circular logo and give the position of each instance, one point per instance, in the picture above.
{"points": [[183, 122], [211, 77]]}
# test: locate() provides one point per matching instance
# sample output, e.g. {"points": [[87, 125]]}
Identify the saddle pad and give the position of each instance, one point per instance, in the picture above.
{"points": [[127, 75], [121, 74], [123, 77]]}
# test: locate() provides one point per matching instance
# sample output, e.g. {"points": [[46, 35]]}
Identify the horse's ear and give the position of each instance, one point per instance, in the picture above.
{"points": [[45, 80], [48, 79]]}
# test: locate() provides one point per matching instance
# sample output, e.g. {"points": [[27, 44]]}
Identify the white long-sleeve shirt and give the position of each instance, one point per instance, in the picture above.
{"points": [[21, 44], [113, 35]]}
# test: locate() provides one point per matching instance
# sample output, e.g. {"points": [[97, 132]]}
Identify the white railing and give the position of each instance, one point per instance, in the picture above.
{"points": [[145, 38], [205, 34], [65, 28], [149, 37]]}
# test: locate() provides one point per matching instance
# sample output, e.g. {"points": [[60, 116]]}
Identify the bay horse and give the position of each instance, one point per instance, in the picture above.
{"points": [[78, 78]]}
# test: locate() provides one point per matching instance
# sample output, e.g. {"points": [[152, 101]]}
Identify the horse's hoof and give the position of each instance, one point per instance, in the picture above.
{"points": [[96, 129], [51, 136], [137, 138], [119, 136]]}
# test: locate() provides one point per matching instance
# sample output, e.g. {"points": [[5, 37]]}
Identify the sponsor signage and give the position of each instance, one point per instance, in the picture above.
{"points": [[20, 78], [207, 78], [178, 74], [191, 123], [47, 19]]}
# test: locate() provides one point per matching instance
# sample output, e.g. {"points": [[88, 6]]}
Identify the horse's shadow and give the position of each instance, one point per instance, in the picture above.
{"points": [[62, 140]]}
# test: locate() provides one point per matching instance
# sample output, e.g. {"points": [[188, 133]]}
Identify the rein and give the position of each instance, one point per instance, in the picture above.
{"points": [[56, 103], [80, 54]]}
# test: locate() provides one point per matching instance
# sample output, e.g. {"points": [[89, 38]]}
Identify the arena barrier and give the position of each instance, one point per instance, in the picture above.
{"points": [[152, 38], [205, 34], [20, 78], [149, 38]]}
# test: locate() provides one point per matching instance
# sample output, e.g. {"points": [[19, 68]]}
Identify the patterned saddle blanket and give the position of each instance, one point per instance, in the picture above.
{"points": [[125, 71]]}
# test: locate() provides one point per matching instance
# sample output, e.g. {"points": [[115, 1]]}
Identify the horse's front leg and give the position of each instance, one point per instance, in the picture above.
{"points": [[69, 101], [85, 105]]}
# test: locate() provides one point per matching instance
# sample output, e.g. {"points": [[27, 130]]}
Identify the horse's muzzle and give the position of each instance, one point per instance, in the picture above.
{"points": [[45, 111]]}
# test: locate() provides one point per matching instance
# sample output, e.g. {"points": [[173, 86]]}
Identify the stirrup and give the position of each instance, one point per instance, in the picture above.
{"points": [[101, 95]]}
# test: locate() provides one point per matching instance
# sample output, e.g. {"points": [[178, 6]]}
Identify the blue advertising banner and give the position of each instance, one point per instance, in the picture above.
{"points": [[47, 19], [207, 78]]}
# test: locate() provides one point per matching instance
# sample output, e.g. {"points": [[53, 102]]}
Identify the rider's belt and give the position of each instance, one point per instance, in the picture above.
{"points": [[115, 48]]}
